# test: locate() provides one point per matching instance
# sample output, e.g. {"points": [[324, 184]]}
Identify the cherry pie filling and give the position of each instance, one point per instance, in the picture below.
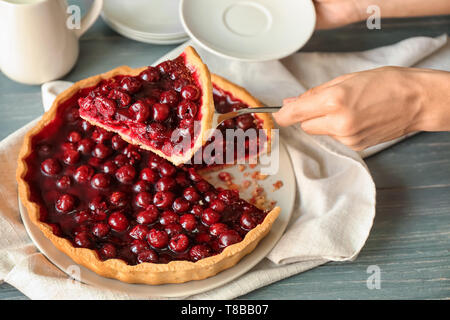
{"points": [[225, 102], [149, 107], [102, 193]]}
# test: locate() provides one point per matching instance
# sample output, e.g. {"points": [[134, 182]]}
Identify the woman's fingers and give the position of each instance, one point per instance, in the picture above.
{"points": [[320, 125]]}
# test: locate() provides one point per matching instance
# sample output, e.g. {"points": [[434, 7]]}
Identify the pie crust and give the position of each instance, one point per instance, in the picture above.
{"points": [[146, 273], [195, 64]]}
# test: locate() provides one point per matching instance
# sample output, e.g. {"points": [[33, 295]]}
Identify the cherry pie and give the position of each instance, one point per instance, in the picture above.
{"points": [[154, 107], [126, 212]]}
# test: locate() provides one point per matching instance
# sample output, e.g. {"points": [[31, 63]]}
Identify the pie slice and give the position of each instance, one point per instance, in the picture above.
{"points": [[125, 212], [165, 109]]}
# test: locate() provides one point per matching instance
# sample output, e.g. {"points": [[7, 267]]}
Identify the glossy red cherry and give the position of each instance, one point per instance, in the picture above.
{"points": [[203, 237], [83, 240], [141, 186], [188, 221], [118, 221], [108, 251], [149, 175], [74, 136], [147, 256], [64, 182], [217, 205], [51, 167], [131, 84], [203, 186], [228, 238], [151, 74], [141, 110], [157, 238], [191, 194], [71, 157], [139, 232], [168, 217], [81, 216], [199, 251], [245, 122], [148, 216], [98, 204], [117, 143], [109, 167], [190, 92], [83, 173], [163, 199], [186, 110], [126, 174], [161, 112], [179, 243], [167, 170], [106, 107], [118, 199], [85, 146], [100, 135], [228, 196], [169, 97], [101, 151], [210, 216], [143, 199], [101, 181], [173, 229], [197, 210], [165, 184], [123, 98], [100, 230], [138, 246], [248, 221], [181, 205], [217, 229], [65, 203]]}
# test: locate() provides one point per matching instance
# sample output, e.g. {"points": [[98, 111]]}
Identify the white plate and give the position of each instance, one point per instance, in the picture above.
{"points": [[143, 38], [150, 17], [249, 30], [284, 197]]}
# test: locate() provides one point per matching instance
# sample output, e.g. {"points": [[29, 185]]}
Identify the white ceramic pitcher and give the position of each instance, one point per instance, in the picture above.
{"points": [[39, 38]]}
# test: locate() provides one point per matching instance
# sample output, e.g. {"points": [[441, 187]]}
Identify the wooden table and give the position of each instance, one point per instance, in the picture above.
{"points": [[410, 239]]}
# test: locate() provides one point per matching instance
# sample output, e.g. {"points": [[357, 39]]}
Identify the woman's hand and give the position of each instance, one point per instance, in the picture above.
{"points": [[366, 108]]}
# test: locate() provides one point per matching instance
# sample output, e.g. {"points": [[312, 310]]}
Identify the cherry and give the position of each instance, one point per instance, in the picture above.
{"points": [[118, 199], [85, 125], [161, 112], [169, 97], [191, 194], [141, 111], [147, 256], [163, 199], [151, 74], [227, 196], [139, 232], [228, 238], [101, 151], [64, 182], [100, 135], [100, 181], [190, 92], [105, 107], [199, 251], [186, 110], [126, 174], [165, 184], [167, 170], [157, 238], [83, 173], [85, 146], [217, 205], [71, 157], [148, 216], [131, 84], [109, 167], [197, 210], [248, 221], [120, 160], [143, 199], [188, 221], [168, 217], [141, 186], [181, 205], [138, 246], [210, 217], [217, 229], [74, 136], [100, 230], [202, 237], [97, 204], [245, 121], [149, 175], [83, 240], [65, 203], [179, 243], [181, 179], [124, 98], [81, 216], [118, 221], [173, 229], [203, 186], [51, 167], [108, 251], [117, 143], [157, 131]]}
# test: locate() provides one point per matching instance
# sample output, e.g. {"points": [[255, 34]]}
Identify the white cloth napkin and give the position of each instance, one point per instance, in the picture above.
{"points": [[335, 205]]}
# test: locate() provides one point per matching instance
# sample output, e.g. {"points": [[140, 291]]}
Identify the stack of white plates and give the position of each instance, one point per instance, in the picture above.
{"points": [[149, 21]]}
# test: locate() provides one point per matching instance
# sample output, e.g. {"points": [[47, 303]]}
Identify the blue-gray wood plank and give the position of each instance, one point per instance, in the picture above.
{"points": [[410, 239]]}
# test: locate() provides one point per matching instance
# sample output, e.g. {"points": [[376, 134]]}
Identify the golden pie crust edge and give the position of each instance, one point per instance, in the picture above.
{"points": [[194, 63], [146, 273]]}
